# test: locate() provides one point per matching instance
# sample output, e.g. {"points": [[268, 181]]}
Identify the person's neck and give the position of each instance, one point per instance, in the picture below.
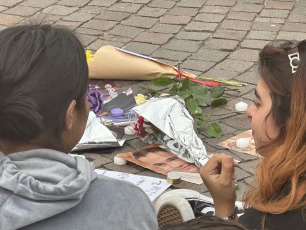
{"points": [[8, 147]]}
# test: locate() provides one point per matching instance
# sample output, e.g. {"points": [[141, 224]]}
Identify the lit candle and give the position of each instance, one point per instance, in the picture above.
{"points": [[241, 106], [242, 143]]}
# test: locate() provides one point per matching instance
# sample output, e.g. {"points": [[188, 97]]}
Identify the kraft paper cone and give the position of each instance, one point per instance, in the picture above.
{"points": [[113, 63]]}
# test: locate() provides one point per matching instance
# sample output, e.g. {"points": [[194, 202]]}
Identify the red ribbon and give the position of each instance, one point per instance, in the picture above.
{"points": [[208, 83]]}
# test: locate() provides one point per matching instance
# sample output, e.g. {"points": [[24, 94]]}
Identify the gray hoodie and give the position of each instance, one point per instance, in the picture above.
{"points": [[47, 189]]}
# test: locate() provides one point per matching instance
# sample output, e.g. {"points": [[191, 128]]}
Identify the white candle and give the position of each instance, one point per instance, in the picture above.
{"points": [[241, 106], [119, 161], [242, 143], [129, 130]]}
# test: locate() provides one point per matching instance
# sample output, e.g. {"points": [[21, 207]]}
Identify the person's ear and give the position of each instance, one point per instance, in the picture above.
{"points": [[70, 116]]}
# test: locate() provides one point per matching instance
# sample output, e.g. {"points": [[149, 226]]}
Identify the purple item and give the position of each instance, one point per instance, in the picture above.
{"points": [[95, 100], [117, 112]]}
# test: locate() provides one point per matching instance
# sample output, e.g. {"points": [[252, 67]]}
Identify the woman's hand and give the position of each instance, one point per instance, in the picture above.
{"points": [[218, 175]]}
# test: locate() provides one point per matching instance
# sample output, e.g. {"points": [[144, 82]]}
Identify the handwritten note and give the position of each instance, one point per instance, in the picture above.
{"points": [[152, 186]]}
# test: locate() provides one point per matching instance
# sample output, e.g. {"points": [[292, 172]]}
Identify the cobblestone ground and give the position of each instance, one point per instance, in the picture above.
{"points": [[210, 38]]}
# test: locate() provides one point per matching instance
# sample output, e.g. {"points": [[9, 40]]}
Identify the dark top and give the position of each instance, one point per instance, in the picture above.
{"points": [[292, 220]]}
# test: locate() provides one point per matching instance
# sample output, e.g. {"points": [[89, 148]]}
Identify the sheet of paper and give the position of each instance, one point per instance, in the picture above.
{"points": [[152, 186]]}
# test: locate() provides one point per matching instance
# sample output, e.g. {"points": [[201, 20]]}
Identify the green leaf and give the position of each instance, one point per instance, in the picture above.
{"points": [[198, 111], [218, 102], [162, 81], [192, 105], [214, 130], [185, 84], [173, 90], [198, 91], [198, 116], [201, 122], [202, 102], [216, 91], [183, 94]]}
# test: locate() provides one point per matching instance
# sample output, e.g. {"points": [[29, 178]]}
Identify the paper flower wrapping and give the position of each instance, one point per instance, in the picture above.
{"points": [[95, 100]]}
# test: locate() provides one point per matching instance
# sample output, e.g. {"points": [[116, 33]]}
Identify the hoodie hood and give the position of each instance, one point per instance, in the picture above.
{"points": [[38, 184]]}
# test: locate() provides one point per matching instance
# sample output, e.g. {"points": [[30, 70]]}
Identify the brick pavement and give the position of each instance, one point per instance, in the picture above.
{"points": [[210, 38]]}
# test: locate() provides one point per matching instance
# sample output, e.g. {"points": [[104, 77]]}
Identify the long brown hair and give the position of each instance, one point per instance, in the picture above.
{"points": [[280, 181]]}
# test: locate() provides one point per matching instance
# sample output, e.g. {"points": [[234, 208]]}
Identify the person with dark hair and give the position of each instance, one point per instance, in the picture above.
{"points": [[43, 114], [276, 198]]}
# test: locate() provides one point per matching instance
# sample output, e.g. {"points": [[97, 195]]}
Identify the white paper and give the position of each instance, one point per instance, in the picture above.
{"points": [[152, 186]]}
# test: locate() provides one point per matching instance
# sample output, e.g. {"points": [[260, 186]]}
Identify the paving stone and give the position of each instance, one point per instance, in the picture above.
{"points": [[279, 5], [86, 39], [97, 159], [198, 36], [198, 65], [153, 38], [249, 166], [165, 28], [230, 34], [162, 4], [121, 39], [221, 44], [186, 11], [293, 36], [261, 35], [9, 20], [92, 9], [102, 3], [200, 26], [183, 45], [239, 122], [215, 9], [296, 18], [43, 18], [295, 27], [174, 19], [234, 65], [3, 27], [79, 3], [219, 74], [271, 20], [245, 55], [266, 26], [113, 15], [71, 25], [79, 17], [97, 24], [126, 31], [245, 16], [138, 21], [209, 55], [125, 7], [221, 2], [99, 43], [236, 25], [141, 48], [151, 12], [248, 77], [60, 10], [38, 3], [193, 3], [244, 7], [87, 31], [122, 168], [9, 3], [253, 1], [2, 8], [269, 13], [22, 10], [170, 54], [204, 17]]}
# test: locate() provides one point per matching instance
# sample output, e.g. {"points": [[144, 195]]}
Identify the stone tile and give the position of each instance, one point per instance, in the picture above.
{"points": [[38, 3], [261, 35], [248, 77], [2, 8], [265, 26], [269, 13], [219, 74], [215, 9], [9, 20], [141, 48], [97, 159], [245, 55], [234, 65], [60, 10], [9, 3], [239, 122], [174, 19], [79, 17], [69, 24], [97, 24], [186, 11], [230, 34], [22, 10], [3, 27], [79, 3], [294, 27], [200, 26], [241, 173], [113, 15], [293, 36], [92, 9], [45, 18], [102, 3], [151, 12], [191, 4], [87, 31], [122, 168], [271, 20], [153, 38], [115, 38], [221, 44], [236, 25], [86, 39], [162, 4], [204, 17], [296, 18], [126, 31], [165, 28], [138, 21], [125, 7], [244, 16], [170, 54], [183, 45], [245, 7], [198, 65], [197, 36], [210, 55], [221, 2], [249, 166], [97, 44], [279, 5]]}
